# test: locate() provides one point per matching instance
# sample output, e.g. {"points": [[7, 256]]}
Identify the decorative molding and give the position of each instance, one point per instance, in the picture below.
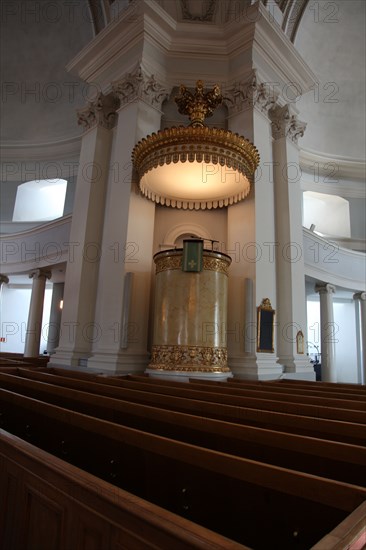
{"points": [[189, 358], [266, 304], [100, 112], [139, 85], [250, 93], [286, 124], [166, 261], [326, 261], [206, 14], [334, 168], [293, 11]]}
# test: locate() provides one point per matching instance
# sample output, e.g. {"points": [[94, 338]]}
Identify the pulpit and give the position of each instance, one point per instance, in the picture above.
{"points": [[190, 314]]}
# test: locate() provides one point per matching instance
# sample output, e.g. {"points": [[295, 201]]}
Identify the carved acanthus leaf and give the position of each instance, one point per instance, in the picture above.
{"points": [[251, 93], [138, 85], [101, 112], [286, 124]]}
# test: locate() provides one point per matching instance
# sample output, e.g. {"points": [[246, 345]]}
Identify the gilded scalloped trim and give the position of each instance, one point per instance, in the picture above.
{"points": [[189, 358]]}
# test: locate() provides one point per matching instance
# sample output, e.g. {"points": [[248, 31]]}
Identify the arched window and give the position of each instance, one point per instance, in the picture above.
{"points": [[328, 213], [40, 200]]}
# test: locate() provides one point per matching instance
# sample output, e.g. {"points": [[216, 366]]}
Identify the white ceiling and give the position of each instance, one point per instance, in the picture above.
{"points": [[36, 50], [331, 39]]}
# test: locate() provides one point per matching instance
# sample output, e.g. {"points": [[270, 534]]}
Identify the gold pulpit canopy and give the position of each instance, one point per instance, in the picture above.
{"points": [[195, 167]]}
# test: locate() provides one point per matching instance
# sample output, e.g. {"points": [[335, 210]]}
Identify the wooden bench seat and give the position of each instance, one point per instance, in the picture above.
{"points": [[300, 390], [326, 458], [314, 427], [62, 506], [309, 384], [214, 489], [261, 392], [291, 407]]}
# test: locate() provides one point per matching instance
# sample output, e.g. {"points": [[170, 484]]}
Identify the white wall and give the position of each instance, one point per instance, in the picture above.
{"points": [[344, 334], [14, 310]]}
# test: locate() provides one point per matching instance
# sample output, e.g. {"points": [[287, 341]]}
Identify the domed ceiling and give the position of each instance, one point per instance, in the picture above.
{"points": [[331, 40], [39, 97]]}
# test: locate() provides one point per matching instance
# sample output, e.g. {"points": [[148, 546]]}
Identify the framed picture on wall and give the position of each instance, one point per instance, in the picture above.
{"points": [[265, 327]]}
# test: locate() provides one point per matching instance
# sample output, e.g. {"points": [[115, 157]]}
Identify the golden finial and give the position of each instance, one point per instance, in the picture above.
{"points": [[199, 105]]}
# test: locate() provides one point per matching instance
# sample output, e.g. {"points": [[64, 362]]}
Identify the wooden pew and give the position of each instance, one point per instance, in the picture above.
{"points": [[265, 403], [214, 489], [326, 458], [314, 427], [279, 388], [61, 506], [262, 392], [326, 386], [40, 361]]}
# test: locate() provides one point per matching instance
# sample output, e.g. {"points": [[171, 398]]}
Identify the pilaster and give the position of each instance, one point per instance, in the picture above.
{"points": [[251, 233], [78, 329], [127, 234], [291, 297]]}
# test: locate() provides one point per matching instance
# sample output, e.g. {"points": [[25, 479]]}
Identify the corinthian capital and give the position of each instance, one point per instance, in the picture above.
{"points": [[101, 112], [251, 92], [139, 85], [286, 124]]}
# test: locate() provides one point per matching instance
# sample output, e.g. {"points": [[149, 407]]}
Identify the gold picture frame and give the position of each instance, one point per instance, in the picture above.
{"points": [[265, 327]]}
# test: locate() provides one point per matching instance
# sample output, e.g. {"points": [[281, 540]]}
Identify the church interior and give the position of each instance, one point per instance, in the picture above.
{"points": [[183, 267]]}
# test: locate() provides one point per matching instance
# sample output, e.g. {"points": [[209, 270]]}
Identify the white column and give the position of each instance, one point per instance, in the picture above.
{"points": [[127, 234], [328, 366], [34, 325], [4, 279], [55, 317], [251, 233], [290, 275], [360, 298], [78, 327]]}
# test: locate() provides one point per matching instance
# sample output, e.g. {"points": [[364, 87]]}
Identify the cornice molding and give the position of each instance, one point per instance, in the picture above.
{"points": [[285, 66], [155, 38], [40, 151], [333, 167]]}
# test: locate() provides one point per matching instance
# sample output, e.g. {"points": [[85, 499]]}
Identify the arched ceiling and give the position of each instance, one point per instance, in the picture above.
{"points": [[39, 97], [331, 39]]}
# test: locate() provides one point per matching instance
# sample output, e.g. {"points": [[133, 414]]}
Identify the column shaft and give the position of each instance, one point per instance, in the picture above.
{"points": [[360, 297], [55, 318], [328, 366], [34, 325]]}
